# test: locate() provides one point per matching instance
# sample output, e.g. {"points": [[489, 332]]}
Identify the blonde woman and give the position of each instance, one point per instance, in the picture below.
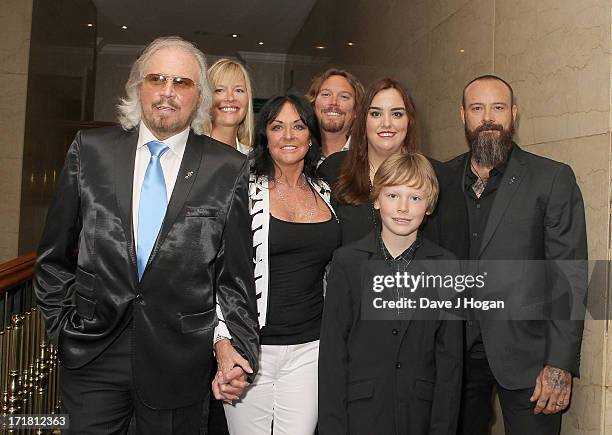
{"points": [[232, 108], [232, 122]]}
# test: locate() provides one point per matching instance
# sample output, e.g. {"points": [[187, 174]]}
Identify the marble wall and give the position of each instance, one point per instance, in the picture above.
{"points": [[45, 76], [15, 20], [556, 55], [59, 96]]}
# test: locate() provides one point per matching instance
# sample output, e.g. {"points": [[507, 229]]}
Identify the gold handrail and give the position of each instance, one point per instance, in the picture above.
{"points": [[29, 381]]}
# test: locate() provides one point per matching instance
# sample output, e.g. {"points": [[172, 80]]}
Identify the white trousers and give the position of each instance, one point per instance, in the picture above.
{"points": [[284, 393]]}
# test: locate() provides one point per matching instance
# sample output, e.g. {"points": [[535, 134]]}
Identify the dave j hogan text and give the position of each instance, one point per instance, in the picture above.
{"points": [[462, 303]]}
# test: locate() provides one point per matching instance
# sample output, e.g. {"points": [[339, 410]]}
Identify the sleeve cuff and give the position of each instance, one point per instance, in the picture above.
{"points": [[222, 332]]}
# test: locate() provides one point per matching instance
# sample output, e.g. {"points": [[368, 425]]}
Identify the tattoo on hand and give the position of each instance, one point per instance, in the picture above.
{"points": [[556, 378], [553, 390]]}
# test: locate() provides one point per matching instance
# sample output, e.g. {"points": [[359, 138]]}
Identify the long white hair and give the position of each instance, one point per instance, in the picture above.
{"points": [[129, 108]]}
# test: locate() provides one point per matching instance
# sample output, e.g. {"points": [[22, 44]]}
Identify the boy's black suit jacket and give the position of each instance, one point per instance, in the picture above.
{"points": [[385, 376]]}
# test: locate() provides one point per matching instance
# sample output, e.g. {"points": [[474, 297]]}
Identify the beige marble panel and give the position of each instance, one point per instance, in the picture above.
{"points": [[10, 188], [414, 74], [589, 158], [410, 66], [10, 192], [8, 245], [469, 29], [377, 29], [441, 10], [593, 353], [399, 24], [608, 351], [320, 22], [383, 50], [298, 75], [268, 78], [31, 225], [608, 411], [112, 73], [585, 414], [407, 63], [497, 427], [555, 54], [13, 88], [15, 22]]}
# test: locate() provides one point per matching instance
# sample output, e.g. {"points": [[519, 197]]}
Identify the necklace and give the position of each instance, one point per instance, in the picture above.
{"points": [[291, 211], [480, 184], [301, 185]]}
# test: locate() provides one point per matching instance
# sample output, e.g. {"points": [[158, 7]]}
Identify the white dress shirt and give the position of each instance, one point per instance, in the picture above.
{"points": [[170, 163]]}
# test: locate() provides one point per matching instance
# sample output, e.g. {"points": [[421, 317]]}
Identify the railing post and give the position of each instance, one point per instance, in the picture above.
{"points": [[29, 370]]}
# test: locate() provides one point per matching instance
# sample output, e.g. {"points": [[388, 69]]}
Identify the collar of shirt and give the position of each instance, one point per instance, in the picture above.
{"points": [[244, 149], [176, 143], [407, 255], [347, 145]]}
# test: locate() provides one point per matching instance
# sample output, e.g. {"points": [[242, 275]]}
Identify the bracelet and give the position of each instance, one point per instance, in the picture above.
{"points": [[219, 338]]}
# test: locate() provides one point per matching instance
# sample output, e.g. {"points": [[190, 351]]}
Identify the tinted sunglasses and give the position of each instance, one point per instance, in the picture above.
{"points": [[160, 80]]}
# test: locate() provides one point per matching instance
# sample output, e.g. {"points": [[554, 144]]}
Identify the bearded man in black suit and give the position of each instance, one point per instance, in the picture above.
{"points": [[499, 203], [159, 216]]}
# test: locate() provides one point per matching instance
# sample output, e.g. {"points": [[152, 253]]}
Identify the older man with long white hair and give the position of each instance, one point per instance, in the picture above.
{"points": [[159, 216]]}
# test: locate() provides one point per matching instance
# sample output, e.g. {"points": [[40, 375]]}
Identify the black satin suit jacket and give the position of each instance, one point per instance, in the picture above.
{"points": [[203, 249]]}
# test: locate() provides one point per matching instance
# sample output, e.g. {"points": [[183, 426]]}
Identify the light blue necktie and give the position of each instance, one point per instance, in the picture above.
{"points": [[152, 207]]}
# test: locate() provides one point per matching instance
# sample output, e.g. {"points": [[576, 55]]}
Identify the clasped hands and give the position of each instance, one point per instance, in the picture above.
{"points": [[552, 391], [230, 380]]}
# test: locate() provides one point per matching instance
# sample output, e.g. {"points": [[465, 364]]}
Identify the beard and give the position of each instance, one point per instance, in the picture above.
{"points": [[490, 149], [163, 124], [333, 125]]}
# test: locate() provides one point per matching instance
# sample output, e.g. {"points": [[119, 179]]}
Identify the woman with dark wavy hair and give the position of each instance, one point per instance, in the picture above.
{"points": [[295, 233], [386, 124]]}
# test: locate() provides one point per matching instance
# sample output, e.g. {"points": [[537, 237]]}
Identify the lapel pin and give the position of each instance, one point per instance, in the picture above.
{"points": [[189, 174], [512, 179]]}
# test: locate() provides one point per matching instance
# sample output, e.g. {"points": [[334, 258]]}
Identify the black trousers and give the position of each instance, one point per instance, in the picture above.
{"points": [[101, 398], [477, 408]]}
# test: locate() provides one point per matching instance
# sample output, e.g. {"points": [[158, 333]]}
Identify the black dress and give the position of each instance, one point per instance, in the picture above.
{"points": [[355, 220]]}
